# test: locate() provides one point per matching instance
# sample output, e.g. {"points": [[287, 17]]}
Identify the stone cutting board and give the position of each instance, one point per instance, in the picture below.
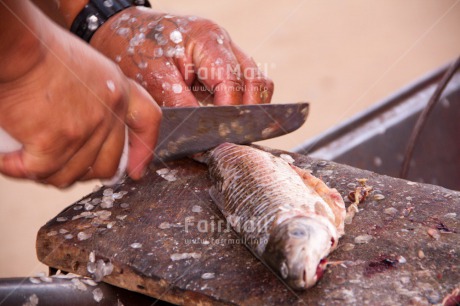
{"points": [[165, 238]]}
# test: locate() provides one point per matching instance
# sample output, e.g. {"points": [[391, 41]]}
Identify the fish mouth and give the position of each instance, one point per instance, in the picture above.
{"points": [[321, 268]]}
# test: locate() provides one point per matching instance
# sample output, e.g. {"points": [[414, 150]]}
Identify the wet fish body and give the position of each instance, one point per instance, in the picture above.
{"points": [[288, 218]]}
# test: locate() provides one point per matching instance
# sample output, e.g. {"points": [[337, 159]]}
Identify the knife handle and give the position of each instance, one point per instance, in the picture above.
{"points": [[122, 165], [8, 145]]}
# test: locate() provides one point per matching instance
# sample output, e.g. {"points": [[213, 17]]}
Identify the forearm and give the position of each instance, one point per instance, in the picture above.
{"points": [[23, 32]]}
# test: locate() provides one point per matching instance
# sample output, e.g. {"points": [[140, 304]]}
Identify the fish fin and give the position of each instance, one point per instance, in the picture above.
{"points": [[330, 195], [219, 199], [202, 157]]}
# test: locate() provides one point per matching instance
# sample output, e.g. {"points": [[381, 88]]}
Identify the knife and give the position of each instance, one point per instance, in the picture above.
{"points": [[189, 130]]}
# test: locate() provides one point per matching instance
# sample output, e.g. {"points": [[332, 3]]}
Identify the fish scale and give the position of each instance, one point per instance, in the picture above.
{"points": [[288, 218]]}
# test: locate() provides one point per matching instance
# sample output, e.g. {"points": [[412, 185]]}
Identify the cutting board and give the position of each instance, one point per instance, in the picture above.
{"points": [[165, 238]]}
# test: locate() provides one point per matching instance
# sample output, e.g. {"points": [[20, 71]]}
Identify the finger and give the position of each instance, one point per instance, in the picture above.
{"points": [[95, 159], [143, 120], [218, 69], [167, 86], [108, 158], [38, 162], [257, 87], [11, 164], [203, 96]]}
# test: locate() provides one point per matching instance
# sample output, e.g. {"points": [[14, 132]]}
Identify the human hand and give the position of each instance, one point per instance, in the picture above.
{"points": [[181, 60], [69, 111]]}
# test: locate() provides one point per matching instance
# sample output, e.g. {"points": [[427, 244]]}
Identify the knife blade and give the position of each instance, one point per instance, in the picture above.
{"points": [[188, 130]]}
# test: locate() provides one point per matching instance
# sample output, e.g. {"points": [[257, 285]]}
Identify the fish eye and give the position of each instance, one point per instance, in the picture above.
{"points": [[298, 233]]}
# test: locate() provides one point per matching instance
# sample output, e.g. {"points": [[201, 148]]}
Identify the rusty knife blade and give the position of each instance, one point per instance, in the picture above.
{"points": [[189, 130]]}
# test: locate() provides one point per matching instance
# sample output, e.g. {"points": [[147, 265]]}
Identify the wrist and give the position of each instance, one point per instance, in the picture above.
{"points": [[96, 12]]}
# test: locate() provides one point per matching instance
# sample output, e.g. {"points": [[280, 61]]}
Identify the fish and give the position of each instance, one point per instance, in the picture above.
{"points": [[287, 217]]}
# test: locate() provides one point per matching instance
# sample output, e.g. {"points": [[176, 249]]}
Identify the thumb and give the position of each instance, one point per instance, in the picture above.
{"points": [[143, 120]]}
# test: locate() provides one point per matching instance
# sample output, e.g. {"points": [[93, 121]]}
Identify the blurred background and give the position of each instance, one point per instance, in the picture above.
{"points": [[342, 56]]}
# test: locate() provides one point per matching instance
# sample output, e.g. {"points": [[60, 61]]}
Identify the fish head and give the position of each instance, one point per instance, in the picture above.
{"points": [[297, 249]]}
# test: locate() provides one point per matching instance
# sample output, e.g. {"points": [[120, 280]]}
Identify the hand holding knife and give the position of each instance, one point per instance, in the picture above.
{"points": [[188, 130]]}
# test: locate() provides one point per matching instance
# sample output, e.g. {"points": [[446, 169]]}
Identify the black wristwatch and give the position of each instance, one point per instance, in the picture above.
{"points": [[96, 12]]}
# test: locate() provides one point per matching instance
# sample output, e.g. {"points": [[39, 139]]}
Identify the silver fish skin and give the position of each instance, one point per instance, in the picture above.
{"points": [[288, 218]]}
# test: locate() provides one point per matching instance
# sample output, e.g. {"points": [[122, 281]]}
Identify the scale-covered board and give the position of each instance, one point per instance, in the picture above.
{"points": [[165, 238]]}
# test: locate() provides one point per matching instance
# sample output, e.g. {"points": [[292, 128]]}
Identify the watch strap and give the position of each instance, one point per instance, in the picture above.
{"points": [[97, 12]]}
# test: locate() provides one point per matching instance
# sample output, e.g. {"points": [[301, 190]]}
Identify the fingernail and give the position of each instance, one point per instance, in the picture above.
{"points": [[137, 175], [143, 172], [64, 186]]}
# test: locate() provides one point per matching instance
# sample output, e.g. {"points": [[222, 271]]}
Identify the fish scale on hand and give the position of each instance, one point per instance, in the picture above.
{"points": [[290, 219]]}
